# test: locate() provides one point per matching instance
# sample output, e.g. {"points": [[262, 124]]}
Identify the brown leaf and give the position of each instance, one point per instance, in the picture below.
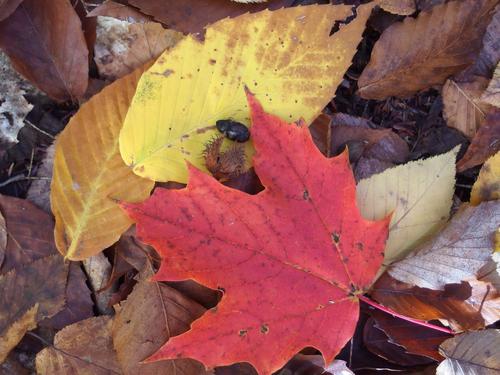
{"points": [[121, 11], [191, 16], [463, 109], [83, 348], [41, 283], [45, 42], [485, 143], [12, 366], [152, 314], [418, 53], [39, 190], [7, 7], [492, 93], [401, 7]]}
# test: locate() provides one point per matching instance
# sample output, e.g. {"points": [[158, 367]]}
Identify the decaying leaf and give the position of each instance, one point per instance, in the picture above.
{"points": [[83, 348], [475, 353], [42, 283], [151, 315], [418, 53], [402, 7], [456, 254], [39, 190], [123, 46], [492, 93], [419, 196], [485, 143], [89, 175], [45, 42], [487, 185], [287, 57], [298, 240], [192, 16], [463, 109]]}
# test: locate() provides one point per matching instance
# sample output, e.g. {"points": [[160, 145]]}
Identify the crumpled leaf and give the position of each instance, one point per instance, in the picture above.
{"points": [[41, 282], [89, 175], [83, 348], [485, 143], [456, 254], [45, 42], [475, 353], [492, 93], [179, 99], [419, 196], [201, 12], [123, 46], [418, 53], [487, 185], [302, 239], [150, 316]]}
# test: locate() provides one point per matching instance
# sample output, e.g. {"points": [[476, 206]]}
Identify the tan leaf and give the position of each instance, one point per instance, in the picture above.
{"points": [[45, 42], [487, 185], [456, 254], [83, 348], [41, 282], [418, 53], [475, 353], [122, 46], [153, 313], [485, 143], [11, 337], [462, 108], [90, 176], [419, 196], [401, 7], [492, 93]]}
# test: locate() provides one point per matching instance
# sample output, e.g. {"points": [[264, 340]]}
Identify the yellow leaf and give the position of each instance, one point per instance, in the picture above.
{"points": [[90, 176], [286, 57], [13, 334], [419, 196], [487, 185], [492, 93]]}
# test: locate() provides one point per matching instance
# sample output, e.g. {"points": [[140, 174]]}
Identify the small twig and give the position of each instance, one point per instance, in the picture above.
{"points": [[30, 167], [21, 177], [38, 129], [404, 317]]}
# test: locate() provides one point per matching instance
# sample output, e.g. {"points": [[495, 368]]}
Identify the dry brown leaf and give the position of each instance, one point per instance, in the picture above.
{"points": [[83, 348], [418, 53], [474, 353], [122, 46], [456, 254], [192, 16], [121, 11], [45, 41], [485, 143], [41, 282], [39, 190], [401, 7], [492, 93], [487, 185], [463, 109], [153, 313], [90, 176], [7, 7]]}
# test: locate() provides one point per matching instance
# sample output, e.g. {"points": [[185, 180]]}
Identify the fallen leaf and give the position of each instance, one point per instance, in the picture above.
{"points": [[150, 316], [7, 7], [421, 52], [90, 176], [45, 42], [39, 190], [192, 16], [296, 240], [42, 283], [419, 196], [485, 143], [176, 105], [98, 269], [122, 46], [492, 93], [456, 254], [475, 353], [401, 7], [463, 109], [487, 185], [121, 11], [83, 348]]}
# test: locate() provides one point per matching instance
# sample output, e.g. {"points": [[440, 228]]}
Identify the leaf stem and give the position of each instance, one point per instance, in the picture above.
{"points": [[404, 317]]}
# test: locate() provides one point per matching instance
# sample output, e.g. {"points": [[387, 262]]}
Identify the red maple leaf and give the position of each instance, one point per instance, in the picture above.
{"points": [[290, 260]]}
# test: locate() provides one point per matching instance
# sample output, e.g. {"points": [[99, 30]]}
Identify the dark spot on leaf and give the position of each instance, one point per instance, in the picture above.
{"points": [[336, 237], [306, 195], [264, 329], [242, 332], [360, 246], [212, 61]]}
